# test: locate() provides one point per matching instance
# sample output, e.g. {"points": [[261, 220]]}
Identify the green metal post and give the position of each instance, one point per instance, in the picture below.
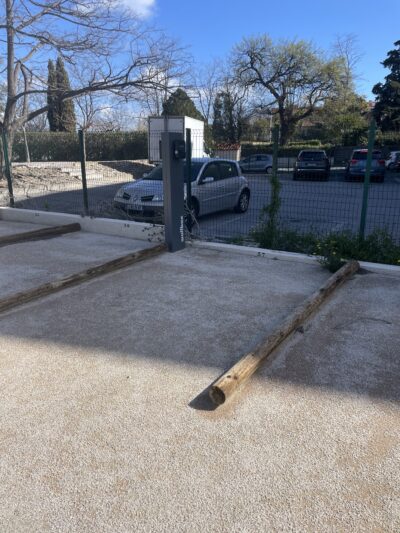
{"points": [[189, 168], [275, 141], [82, 152], [371, 140], [8, 168], [273, 208]]}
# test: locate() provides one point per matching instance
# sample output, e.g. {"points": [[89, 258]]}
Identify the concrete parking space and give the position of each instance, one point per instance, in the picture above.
{"points": [[27, 265], [13, 228], [103, 427]]}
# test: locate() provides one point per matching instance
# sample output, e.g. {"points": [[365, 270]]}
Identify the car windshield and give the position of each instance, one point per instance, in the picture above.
{"points": [[156, 173], [311, 156], [362, 156]]}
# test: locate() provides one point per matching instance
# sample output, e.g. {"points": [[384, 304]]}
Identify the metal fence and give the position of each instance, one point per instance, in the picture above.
{"points": [[79, 180], [92, 185]]}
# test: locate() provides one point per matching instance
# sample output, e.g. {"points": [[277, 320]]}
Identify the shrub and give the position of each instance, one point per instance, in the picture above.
{"points": [[389, 138], [284, 151], [308, 142], [332, 249], [61, 146]]}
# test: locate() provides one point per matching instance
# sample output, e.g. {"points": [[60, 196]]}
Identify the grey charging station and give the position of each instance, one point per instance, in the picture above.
{"points": [[173, 153]]}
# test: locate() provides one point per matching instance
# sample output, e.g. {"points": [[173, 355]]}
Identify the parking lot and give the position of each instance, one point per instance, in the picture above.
{"points": [[315, 206]]}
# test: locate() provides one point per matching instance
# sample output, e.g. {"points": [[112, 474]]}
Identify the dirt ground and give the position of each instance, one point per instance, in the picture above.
{"points": [[104, 427], [39, 178]]}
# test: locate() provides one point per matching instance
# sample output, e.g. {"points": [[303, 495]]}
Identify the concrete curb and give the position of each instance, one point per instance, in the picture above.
{"points": [[288, 256], [106, 226]]}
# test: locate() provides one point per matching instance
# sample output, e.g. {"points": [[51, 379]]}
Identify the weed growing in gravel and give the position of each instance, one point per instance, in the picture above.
{"points": [[332, 249]]}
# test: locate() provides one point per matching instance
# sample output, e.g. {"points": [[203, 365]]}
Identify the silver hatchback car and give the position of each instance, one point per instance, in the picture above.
{"points": [[217, 185], [259, 163]]}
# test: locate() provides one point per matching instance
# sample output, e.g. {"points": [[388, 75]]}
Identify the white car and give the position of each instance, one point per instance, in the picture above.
{"points": [[391, 160], [217, 185]]}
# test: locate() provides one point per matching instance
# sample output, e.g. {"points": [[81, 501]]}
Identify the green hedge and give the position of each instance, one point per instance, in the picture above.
{"points": [[308, 142], [391, 139], [54, 146], [284, 151]]}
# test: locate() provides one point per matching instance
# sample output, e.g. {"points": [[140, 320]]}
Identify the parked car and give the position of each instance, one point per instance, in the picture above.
{"points": [[392, 161], [257, 163], [312, 164], [217, 185], [356, 167]]}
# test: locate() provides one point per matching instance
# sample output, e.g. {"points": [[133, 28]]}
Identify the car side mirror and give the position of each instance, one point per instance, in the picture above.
{"points": [[208, 179]]}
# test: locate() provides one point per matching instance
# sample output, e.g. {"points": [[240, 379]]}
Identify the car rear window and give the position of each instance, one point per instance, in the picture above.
{"points": [[312, 156], [362, 156], [156, 173]]}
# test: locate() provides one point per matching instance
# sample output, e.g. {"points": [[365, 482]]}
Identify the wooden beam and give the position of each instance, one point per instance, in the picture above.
{"points": [[94, 272], [229, 382], [44, 233]]}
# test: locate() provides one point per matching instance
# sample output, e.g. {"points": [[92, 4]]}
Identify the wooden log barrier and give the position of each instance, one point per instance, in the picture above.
{"points": [[230, 382], [35, 235], [94, 272]]}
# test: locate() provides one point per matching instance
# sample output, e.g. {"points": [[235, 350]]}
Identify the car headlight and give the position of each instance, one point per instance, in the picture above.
{"points": [[158, 198]]}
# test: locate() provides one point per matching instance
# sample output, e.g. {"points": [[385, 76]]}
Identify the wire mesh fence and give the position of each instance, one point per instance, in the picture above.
{"points": [[52, 179], [228, 196]]}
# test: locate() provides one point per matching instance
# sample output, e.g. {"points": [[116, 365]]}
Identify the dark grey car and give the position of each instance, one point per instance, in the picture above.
{"points": [[357, 166], [312, 164], [257, 163]]}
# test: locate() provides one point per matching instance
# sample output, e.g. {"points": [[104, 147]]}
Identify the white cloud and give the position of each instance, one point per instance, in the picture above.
{"points": [[142, 8]]}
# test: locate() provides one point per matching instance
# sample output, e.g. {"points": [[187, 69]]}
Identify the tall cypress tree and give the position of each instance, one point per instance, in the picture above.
{"points": [[66, 107], [180, 103], [52, 113]]}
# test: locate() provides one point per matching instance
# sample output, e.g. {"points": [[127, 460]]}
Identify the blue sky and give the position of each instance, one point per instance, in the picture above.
{"points": [[211, 27]]}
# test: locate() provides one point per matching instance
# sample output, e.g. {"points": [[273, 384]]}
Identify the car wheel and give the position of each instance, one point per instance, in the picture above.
{"points": [[243, 202], [390, 166], [268, 170], [295, 177]]}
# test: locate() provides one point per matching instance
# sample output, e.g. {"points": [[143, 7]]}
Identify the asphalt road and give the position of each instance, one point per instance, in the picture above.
{"points": [[316, 206]]}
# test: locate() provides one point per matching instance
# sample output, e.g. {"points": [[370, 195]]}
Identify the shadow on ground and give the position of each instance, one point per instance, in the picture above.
{"points": [[206, 308]]}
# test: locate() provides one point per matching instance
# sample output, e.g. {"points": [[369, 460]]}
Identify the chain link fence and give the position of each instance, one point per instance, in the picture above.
{"points": [[227, 199]]}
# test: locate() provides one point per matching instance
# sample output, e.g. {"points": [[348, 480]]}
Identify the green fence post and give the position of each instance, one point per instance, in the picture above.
{"points": [[275, 141], [189, 168], [82, 153], [8, 168], [273, 208], [371, 140]]}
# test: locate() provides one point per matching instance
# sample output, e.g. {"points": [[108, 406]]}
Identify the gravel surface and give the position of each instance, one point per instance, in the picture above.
{"points": [[104, 428]]}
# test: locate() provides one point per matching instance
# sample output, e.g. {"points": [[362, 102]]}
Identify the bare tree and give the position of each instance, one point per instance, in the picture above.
{"points": [[292, 77], [117, 52], [97, 112], [207, 81], [166, 80], [346, 48]]}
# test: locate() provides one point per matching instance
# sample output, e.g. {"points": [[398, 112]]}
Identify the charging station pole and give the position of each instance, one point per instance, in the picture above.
{"points": [[173, 153]]}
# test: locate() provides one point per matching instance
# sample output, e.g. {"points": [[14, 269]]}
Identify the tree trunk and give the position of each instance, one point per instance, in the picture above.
{"points": [[287, 127], [27, 154]]}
